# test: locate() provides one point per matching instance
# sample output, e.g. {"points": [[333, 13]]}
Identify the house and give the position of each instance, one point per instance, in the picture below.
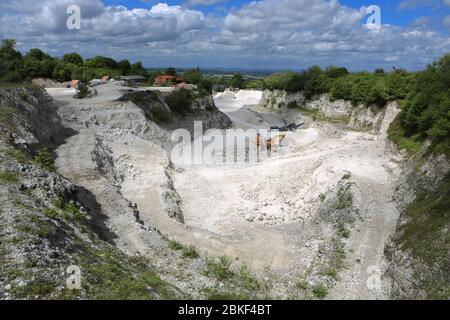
{"points": [[162, 80], [134, 79]]}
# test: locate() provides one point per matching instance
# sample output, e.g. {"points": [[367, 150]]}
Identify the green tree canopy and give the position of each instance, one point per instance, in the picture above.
{"points": [[73, 58]]}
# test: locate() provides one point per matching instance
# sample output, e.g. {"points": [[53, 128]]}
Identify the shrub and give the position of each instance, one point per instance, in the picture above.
{"points": [[179, 101], [345, 197], [190, 252], [320, 291], [45, 159], [220, 269], [175, 245], [50, 213], [8, 177], [82, 93]]}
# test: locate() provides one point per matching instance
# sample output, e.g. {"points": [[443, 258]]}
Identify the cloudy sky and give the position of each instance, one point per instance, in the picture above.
{"points": [[265, 34]]}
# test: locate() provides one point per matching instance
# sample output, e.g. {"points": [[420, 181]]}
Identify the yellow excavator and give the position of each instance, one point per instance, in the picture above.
{"points": [[270, 141]]}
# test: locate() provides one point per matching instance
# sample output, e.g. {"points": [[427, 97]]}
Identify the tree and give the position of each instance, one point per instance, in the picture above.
{"points": [[10, 61], [342, 88], [124, 66], [73, 58], [297, 82], [37, 54], [101, 62], [317, 82], [279, 81], [63, 71], [237, 81], [205, 86], [179, 101], [336, 72], [170, 71], [380, 71], [138, 69], [258, 84], [193, 76]]}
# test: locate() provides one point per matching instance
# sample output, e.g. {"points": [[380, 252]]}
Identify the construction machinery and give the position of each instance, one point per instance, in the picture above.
{"points": [[287, 127]]}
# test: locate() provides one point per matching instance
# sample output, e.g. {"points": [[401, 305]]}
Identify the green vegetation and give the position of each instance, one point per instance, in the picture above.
{"points": [[18, 155], [399, 136], [69, 210], [316, 115], [6, 114], [426, 109], [320, 291], [50, 213], [109, 275], [179, 101], [425, 235], [175, 245], [16, 68], [45, 159], [345, 197], [152, 107], [82, 93], [238, 284], [186, 251], [46, 230], [8, 177], [196, 77], [36, 288], [342, 230], [219, 269], [190, 252]]}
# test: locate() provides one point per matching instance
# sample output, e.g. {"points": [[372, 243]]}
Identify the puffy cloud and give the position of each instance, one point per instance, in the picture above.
{"points": [[327, 30], [447, 21], [276, 33]]}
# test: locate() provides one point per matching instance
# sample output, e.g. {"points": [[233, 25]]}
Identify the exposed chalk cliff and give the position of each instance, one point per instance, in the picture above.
{"points": [[358, 117]]}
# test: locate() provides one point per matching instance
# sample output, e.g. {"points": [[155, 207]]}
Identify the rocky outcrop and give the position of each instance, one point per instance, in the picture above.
{"points": [[29, 119], [358, 117], [155, 108], [45, 226], [418, 253]]}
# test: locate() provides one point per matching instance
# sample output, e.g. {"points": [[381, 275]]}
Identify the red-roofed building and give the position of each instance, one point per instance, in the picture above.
{"points": [[166, 79]]}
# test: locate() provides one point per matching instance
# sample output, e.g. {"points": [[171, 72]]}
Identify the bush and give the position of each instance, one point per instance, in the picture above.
{"points": [[190, 252], [320, 291], [221, 269], [50, 213], [8, 177], [45, 159], [180, 101], [82, 93], [175, 245]]}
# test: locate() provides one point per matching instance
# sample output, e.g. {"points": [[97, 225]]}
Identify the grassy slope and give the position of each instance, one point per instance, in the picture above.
{"points": [[426, 236]]}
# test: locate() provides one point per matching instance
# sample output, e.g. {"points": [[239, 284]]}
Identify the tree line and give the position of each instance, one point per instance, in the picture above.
{"points": [[15, 67], [424, 96]]}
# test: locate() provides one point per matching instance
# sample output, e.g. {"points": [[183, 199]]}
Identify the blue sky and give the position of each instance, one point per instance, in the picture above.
{"points": [[267, 34]]}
